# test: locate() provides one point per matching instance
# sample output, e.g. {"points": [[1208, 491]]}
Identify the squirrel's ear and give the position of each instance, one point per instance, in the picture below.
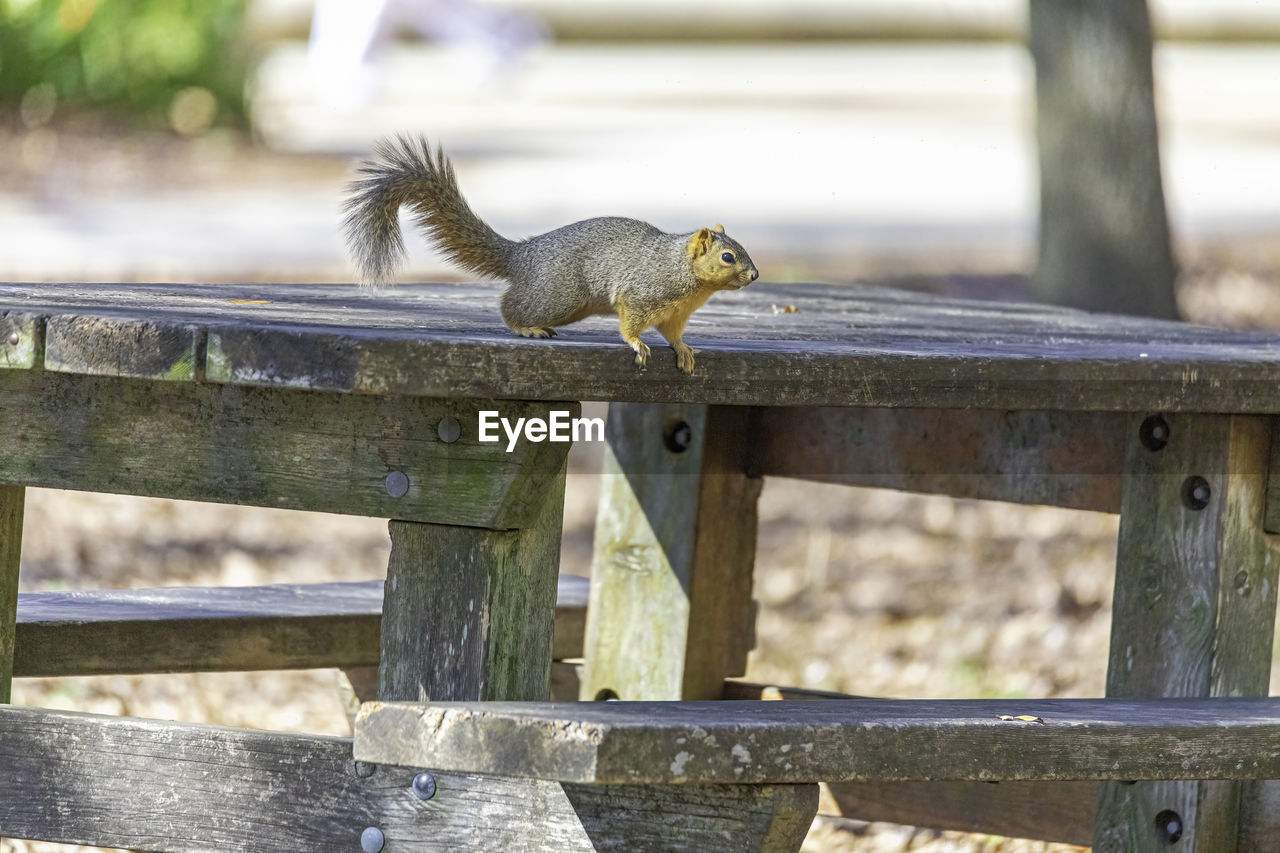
{"points": [[699, 243], [719, 229]]}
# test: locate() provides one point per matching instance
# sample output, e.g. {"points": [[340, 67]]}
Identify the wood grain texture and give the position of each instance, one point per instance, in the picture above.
{"points": [[1067, 459], [852, 740], [147, 347], [12, 501], [469, 613], [21, 339], [209, 629], [843, 346], [671, 613], [198, 629], [1194, 608], [1044, 811], [278, 447], [149, 785], [1271, 519], [1259, 818]]}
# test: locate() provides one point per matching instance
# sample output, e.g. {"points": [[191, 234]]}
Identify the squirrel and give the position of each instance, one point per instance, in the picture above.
{"points": [[609, 265]]}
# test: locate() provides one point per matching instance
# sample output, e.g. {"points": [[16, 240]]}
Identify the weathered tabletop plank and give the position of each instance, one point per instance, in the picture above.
{"points": [[842, 346], [206, 629], [825, 741]]}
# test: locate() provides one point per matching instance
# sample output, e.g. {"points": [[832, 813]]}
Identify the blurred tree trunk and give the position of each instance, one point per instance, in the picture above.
{"points": [[1104, 231]]}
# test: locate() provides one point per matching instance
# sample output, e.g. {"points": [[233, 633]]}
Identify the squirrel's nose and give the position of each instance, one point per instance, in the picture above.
{"points": [[755, 274]]}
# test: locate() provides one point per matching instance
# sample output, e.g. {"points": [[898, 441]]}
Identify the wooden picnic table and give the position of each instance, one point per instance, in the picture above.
{"points": [[324, 398]]}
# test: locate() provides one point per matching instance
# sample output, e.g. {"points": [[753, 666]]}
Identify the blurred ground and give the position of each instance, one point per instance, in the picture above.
{"points": [[861, 591]]}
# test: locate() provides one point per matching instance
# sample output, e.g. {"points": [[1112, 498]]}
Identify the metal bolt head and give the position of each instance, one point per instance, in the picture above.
{"points": [[13, 339], [1169, 826], [677, 435], [449, 430], [372, 840], [1196, 493], [397, 484], [1154, 433], [424, 785]]}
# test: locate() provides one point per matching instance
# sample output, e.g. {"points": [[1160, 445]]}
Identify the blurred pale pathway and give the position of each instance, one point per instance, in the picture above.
{"points": [[828, 160]]}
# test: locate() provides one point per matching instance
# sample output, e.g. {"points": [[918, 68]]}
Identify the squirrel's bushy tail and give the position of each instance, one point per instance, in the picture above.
{"points": [[405, 171]]}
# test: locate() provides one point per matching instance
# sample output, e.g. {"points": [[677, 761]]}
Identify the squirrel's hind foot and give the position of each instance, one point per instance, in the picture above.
{"points": [[642, 352], [534, 331]]}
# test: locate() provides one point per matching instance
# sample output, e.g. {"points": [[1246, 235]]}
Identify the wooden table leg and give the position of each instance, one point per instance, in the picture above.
{"points": [[1194, 615], [671, 614], [12, 500], [469, 613]]}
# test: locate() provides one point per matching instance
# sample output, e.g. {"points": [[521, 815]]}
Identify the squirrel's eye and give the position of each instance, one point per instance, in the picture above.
{"points": [[727, 257]]}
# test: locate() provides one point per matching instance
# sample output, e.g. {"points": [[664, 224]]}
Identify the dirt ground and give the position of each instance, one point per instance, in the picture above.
{"points": [[861, 591]]}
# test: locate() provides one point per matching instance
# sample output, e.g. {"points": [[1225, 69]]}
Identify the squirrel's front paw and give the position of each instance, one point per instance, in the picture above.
{"points": [[642, 352], [684, 358], [535, 331]]}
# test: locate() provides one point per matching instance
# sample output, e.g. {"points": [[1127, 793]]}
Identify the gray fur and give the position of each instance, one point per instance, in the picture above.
{"points": [[404, 171], [608, 265], [580, 269]]}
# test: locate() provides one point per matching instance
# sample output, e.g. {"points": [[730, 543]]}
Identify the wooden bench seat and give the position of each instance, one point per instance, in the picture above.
{"points": [[218, 629], [825, 741], [158, 785]]}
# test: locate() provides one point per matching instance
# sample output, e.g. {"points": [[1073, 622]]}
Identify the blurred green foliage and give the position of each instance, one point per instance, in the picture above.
{"points": [[138, 57]]}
